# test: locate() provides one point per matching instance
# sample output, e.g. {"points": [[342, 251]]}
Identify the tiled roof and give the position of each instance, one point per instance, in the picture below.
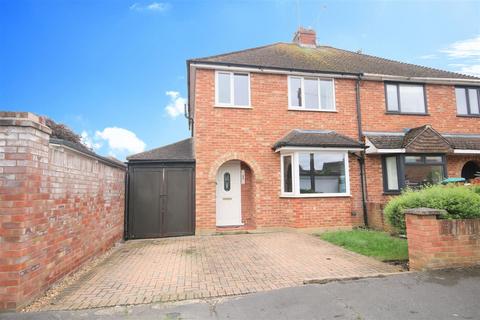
{"points": [[398, 141], [178, 151], [291, 56], [314, 138]]}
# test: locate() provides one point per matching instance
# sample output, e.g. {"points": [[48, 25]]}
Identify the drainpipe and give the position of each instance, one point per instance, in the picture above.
{"points": [[361, 158]]}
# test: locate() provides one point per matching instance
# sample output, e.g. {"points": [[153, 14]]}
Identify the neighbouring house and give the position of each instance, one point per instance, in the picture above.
{"points": [[300, 135]]}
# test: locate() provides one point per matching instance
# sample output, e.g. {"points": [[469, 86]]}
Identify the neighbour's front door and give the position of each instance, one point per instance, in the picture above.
{"points": [[229, 205]]}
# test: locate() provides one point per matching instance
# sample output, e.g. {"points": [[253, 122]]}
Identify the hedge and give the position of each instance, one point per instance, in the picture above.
{"points": [[459, 202]]}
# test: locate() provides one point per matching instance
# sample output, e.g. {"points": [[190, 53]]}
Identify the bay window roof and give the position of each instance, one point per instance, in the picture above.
{"points": [[317, 139]]}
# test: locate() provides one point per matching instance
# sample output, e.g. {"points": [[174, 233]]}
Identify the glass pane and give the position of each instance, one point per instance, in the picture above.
{"points": [[226, 181], [240, 89], [461, 101], [412, 98], [287, 174], [223, 89], [295, 92], [392, 97], [413, 159], [392, 175], [324, 173], [420, 175], [326, 95], [311, 93], [473, 99], [434, 159]]}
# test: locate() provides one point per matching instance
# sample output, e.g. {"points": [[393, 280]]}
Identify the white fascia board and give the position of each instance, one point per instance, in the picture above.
{"points": [[384, 77], [294, 149], [271, 71], [466, 151]]}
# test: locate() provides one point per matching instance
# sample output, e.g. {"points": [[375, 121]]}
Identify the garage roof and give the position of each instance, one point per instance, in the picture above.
{"points": [[181, 151]]}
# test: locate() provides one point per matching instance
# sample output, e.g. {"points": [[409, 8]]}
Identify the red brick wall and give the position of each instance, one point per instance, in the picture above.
{"points": [[58, 208], [435, 244], [223, 134]]}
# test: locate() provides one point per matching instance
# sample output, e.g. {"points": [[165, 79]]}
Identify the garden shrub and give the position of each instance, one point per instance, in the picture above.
{"points": [[459, 202]]}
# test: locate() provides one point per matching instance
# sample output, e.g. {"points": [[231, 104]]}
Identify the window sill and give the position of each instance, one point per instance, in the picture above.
{"points": [[468, 115], [232, 107], [391, 193], [326, 195], [311, 110], [407, 114]]}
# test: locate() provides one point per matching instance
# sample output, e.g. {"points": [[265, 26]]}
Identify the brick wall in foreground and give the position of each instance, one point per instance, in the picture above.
{"points": [[58, 208], [436, 244]]}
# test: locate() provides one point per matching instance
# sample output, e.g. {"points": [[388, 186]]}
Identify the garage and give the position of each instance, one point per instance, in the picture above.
{"points": [[161, 192]]}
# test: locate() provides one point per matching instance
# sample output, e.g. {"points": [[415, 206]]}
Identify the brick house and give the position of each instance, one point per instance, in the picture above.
{"points": [[296, 135]]}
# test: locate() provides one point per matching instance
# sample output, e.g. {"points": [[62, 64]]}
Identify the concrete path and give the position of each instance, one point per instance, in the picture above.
{"points": [[436, 295], [146, 271]]}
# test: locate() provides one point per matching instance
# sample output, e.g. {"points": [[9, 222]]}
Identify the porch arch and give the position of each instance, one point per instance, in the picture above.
{"points": [[252, 163]]}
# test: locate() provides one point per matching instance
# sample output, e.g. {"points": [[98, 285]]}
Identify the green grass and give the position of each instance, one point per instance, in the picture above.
{"points": [[375, 244]]}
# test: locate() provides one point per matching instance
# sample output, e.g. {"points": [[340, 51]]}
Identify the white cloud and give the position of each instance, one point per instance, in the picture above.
{"points": [[176, 105], [154, 6], [473, 70], [88, 141], [429, 56], [120, 140], [469, 48]]}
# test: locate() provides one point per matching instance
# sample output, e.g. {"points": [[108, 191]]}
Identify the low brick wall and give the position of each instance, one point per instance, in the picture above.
{"points": [[435, 243], [59, 207]]}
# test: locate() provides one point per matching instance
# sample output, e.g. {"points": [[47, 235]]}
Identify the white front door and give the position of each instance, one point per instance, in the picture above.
{"points": [[229, 204]]}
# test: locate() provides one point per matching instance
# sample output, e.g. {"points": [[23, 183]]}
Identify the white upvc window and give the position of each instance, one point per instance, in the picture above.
{"points": [[232, 89], [311, 94], [313, 173]]}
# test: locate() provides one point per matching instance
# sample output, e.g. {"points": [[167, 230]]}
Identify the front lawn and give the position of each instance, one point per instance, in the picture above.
{"points": [[375, 244]]}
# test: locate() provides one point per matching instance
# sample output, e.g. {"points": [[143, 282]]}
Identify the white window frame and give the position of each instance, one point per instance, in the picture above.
{"points": [[296, 176], [232, 91], [303, 108]]}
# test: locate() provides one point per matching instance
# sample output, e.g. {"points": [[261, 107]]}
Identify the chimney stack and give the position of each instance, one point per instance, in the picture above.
{"points": [[305, 37]]}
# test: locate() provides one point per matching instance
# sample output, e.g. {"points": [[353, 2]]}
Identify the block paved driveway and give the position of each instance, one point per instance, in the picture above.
{"points": [[145, 271]]}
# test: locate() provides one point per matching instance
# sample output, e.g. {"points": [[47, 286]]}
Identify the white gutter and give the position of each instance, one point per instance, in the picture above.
{"points": [[316, 149], [385, 77], [271, 71], [466, 151]]}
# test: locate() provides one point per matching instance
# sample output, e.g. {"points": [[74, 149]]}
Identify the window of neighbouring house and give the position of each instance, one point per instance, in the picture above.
{"points": [[309, 93], [315, 173], [414, 171], [468, 101], [405, 98], [232, 89]]}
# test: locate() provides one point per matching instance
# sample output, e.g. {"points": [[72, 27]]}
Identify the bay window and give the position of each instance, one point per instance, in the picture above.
{"points": [[315, 173], [414, 171], [405, 98], [310, 93]]}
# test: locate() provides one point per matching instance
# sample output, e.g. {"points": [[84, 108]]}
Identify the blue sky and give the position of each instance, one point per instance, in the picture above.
{"points": [[110, 68]]}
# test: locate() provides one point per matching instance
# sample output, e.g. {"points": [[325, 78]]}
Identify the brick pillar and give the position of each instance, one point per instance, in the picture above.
{"points": [[24, 151], [422, 234]]}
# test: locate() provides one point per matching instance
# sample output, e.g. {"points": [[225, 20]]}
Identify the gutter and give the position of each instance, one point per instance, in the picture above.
{"points": [[361, 158], [451, 81]]}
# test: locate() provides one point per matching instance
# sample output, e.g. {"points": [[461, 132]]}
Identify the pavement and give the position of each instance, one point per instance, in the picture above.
{"points": [[201, 267], [449, 294]]}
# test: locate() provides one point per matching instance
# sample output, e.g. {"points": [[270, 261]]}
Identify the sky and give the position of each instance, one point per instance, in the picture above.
{"points": [[115, 70]]}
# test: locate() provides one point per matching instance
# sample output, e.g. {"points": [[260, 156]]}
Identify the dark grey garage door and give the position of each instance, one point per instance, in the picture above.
{"points": [[160, 202]]}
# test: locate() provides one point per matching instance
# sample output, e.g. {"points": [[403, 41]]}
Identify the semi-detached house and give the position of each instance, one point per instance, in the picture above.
{"points": [[300, 135]]}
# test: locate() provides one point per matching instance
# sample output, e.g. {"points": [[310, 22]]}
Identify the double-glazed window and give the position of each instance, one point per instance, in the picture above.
{"points": [[311, 93], [232, 89], [405, 98], [314, 173], [468, 101], [400, 171]]}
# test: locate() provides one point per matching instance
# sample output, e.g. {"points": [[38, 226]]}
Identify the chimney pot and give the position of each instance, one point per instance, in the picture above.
{"points": [[305, 37]]}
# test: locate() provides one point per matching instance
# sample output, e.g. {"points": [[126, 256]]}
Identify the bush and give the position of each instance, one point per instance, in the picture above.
{"points": [[459, 202]]}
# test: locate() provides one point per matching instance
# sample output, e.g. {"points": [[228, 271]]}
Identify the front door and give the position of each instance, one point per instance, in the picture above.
{"points": [[229, 204]]}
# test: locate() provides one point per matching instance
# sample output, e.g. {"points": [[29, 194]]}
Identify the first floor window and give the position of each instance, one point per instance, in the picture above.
{"points": [[311, 93], [315, 173], [412, 171], [405, 98], [468, 101], [232, 88]]}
